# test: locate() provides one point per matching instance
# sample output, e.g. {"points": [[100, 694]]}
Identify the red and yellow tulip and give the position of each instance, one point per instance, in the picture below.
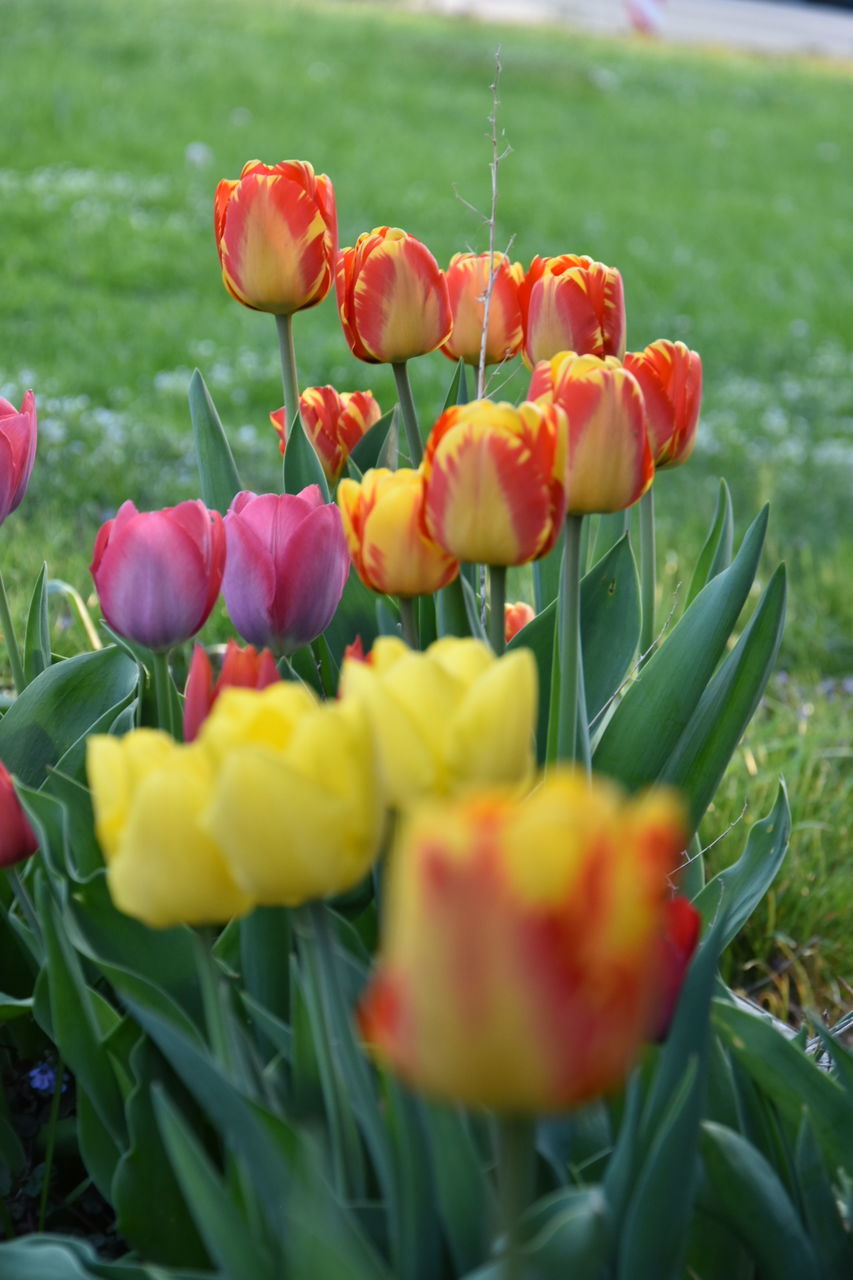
{"points": [[334, 422], [392, 297], [572, 303], [467, 284], [384, 527], [609, 461], [494, 481], [276, 235], [670, 378], [521, 961]]}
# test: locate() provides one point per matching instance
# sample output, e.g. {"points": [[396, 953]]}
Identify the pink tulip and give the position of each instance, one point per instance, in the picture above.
{"points": [[17, 452], [158, 573], [17, 838], [287, 567], [241, 669]]}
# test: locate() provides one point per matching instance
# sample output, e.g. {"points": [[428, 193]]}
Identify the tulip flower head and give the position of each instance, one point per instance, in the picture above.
{"points": [[467, 285], [609, 463], [276, 235], [18, 432], [670, 378], [286, 569], [241, 668], [392, 297], [516, 618], [447, 719], [17, 838], [494, 481], [158, 573], [383, 522], [334, 422], [682, 926], [520, 964], [572, 303]]}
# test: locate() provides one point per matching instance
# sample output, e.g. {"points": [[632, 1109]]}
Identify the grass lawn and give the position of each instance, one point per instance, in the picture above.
{"points": [[719, 186]]}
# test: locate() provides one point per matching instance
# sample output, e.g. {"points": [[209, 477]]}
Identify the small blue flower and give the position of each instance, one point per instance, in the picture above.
{"points": [[42, 1078]]}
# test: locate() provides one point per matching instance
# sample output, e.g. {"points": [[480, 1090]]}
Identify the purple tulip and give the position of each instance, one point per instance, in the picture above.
{"points": [[158, 573], [17, 452], [286, 569]]}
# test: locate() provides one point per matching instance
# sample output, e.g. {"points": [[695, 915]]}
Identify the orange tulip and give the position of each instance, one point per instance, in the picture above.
{"points": [[276, 235], [334, 422], [516, 617], [392, 297], [571, 303], [609, 461], [242, 668], [467, 283], [523, 958], [494, 479], [670, 378], [383, 523]]}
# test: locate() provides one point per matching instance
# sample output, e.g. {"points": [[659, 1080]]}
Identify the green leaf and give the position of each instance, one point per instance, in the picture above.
{"points": [[451, 613], [355, 616], [366, 453], [59, 707], [702, 754], [716, 554], [743, 1191], [569, 1233], [546, 574], [217, 469], [227, 1234], [457, 392], [657, 707], [825, 1226], [413, 1217], [302, 467], [37, 635], [740, 887], [466, 1202]]}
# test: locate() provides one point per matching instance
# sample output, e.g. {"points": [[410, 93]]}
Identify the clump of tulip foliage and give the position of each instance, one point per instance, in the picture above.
{"points": [[380, 945]]}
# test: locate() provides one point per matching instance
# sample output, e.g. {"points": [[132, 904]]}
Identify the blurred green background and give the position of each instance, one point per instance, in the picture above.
{"points": [[718, 184]]}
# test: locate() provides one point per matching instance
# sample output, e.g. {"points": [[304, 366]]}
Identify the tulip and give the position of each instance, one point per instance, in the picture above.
{"points": [[520, 962], [276, 235], [609, 461], [571, 303], [241, 668], [17, 838], [682, 926], [446, 719], [334, 422], [297, 808], [392, 297], [494, 481], [18, 433], [670, 378], [383, 522], [516, 618], [163, 866], [467, 284], [286, 569], [158, 573]]}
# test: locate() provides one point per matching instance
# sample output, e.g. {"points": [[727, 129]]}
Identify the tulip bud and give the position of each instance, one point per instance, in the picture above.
{"points": [[276, 235], [286, 569], [494, 481], [467, 284], [571, 303], [158, 573], [18, 432], [17, 838], [516, 617], [241, 668], [609, 462], [520, 962], [670, 378], [383, 522], [334, 422], [392, 297], [682, 926]]}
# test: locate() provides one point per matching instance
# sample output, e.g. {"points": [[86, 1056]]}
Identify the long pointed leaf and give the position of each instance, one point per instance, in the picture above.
{"points": [[37, 635], [217, 468], [716, 554]]}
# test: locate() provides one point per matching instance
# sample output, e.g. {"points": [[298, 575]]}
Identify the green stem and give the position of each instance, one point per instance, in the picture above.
{"points": [[570, 637], [497, 601], [410, 415], [516, 1163], [284, 325], [51, 1142], [18, 677], [647, 570], [409, 621], [164, 693], [25, 902]]}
